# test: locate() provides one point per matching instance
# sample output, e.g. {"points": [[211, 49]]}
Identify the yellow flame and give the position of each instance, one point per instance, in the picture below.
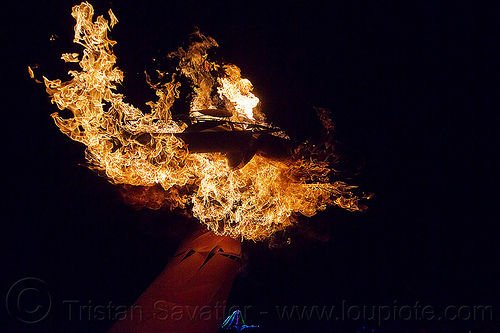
{"points": [[238, 92], [30, 71], [139, 148]]}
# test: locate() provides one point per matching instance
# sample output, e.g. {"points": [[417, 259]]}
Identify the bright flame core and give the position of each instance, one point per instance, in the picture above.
{"points": [[136, 148]]}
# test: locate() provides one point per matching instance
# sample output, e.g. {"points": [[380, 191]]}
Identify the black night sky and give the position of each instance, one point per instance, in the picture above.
{"points": [[413, 91]]}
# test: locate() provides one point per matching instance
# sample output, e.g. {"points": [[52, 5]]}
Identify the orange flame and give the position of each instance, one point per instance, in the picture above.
{"points": [[139, 148]]}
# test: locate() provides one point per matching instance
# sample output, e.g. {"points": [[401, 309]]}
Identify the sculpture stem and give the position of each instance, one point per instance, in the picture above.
{"points": [[190, 294]]}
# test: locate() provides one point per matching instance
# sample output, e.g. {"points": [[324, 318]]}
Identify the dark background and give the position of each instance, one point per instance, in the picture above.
{"points": [[413, 90]]}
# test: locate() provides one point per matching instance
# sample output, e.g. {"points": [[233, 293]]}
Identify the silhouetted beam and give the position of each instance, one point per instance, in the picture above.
{"points": [[213, 142], [215, 112]]}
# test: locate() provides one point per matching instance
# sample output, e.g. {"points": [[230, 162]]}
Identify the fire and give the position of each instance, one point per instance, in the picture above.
{"points": [[136, 148]]}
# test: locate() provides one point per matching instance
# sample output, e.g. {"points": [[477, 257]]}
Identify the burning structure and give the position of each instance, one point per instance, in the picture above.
{"points": [[222, 162]]}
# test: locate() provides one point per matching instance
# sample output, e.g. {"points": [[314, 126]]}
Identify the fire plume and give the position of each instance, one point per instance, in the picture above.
{"points": [[142, 149]]}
